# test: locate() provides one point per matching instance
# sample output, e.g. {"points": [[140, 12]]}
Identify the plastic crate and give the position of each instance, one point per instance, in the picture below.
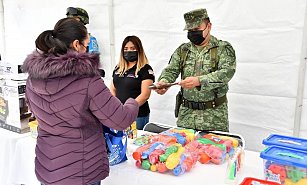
{"points": [[286, 141], [254, 181], [284, 165]]}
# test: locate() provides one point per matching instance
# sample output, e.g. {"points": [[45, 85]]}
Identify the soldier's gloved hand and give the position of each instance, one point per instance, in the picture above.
{"points": [[190, 82], [162, 90]]}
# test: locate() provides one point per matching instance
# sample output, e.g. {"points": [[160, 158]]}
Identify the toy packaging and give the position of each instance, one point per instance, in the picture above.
{"points": [[131, 131], [143, 139], [234, 166], [177, 150], [33, 128], [284, 165]]}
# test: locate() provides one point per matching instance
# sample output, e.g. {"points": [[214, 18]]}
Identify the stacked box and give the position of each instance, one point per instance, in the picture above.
{"points": [[285, 165], [14, 114], [286, 141]]}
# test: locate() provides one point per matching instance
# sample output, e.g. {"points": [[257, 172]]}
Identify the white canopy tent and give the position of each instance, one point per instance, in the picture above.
{"points": [[267, 92]]}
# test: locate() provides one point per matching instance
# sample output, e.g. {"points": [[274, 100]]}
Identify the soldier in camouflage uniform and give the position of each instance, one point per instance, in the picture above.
{"points": [[78, 13], [206, 65], [81, 15]]}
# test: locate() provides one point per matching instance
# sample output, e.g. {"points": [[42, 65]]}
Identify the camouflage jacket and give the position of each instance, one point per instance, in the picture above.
{"points": [[198, 63]]}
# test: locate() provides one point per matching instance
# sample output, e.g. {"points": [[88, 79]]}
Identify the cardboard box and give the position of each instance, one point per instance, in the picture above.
{"points": [[14, 114]]}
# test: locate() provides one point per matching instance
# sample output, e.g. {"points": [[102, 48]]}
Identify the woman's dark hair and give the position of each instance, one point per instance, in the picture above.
{"points": [[59, 40]]}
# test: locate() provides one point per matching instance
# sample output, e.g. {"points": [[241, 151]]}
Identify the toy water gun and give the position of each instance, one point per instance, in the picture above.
{"points": [[138, 163], [189, 134], [217, 152], [146, 164], [153, 167], [189, 162], [217, 139], [235, 142], [168, 152], [154, 146], [217, 155], [209, 142], [174, 159], [161, 167], [197, 151], [143, 139], [154, 156], [192, 146], [168, 140], [137, 154], [213, 153], [180, 168], [180, 138], [204, 158], [192, 152]]}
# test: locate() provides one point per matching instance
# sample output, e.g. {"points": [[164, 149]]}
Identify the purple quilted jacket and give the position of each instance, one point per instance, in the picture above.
{"points": [[70, 102]]}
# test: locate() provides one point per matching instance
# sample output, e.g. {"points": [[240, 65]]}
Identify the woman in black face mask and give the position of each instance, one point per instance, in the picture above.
{"points": [[132, 76]]}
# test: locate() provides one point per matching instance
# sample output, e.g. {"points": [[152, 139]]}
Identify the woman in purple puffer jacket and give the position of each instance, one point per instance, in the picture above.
{"points": [[70, 101]]}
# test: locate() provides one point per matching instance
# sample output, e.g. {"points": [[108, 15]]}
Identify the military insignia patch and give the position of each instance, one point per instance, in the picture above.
{"points": [[229, 51]]}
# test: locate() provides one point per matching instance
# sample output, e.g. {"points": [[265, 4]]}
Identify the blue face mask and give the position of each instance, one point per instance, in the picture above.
{"points": [[131, 56]]}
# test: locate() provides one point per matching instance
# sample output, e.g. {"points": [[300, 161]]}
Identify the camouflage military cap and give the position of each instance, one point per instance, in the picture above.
{"points": [[79, 13], [194, 18]]}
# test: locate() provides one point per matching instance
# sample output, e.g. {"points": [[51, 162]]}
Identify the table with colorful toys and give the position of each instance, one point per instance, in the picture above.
{"points": [[177, 150]]}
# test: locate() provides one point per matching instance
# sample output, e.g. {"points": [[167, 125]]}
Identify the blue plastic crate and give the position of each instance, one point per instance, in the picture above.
{"points": [[286, 141], [285, 165]]}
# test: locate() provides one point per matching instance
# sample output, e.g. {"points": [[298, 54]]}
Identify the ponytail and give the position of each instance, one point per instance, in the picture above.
{"points": [[59, 40], [48, 43]]}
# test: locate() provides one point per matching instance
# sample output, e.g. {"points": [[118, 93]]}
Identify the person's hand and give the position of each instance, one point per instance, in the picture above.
{"points": [[162, 90], [190, 82]]}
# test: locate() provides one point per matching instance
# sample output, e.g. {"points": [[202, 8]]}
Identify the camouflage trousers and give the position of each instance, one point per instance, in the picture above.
{"points": [[209, 119]]}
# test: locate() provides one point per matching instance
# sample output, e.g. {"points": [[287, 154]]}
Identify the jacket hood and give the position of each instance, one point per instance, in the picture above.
{"points": [[48, 74], [41, 66]]}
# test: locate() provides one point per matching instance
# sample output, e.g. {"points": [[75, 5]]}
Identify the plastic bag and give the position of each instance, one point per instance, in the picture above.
{"points": [[116, 142]]}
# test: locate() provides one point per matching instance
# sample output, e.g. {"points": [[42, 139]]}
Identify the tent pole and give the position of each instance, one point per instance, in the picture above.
{"points": [[111, 33], [2, 30], [301, 81]]}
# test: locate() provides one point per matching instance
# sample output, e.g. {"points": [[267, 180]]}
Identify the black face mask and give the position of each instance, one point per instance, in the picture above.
{"points": [[131, 56], [196, 37]]}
